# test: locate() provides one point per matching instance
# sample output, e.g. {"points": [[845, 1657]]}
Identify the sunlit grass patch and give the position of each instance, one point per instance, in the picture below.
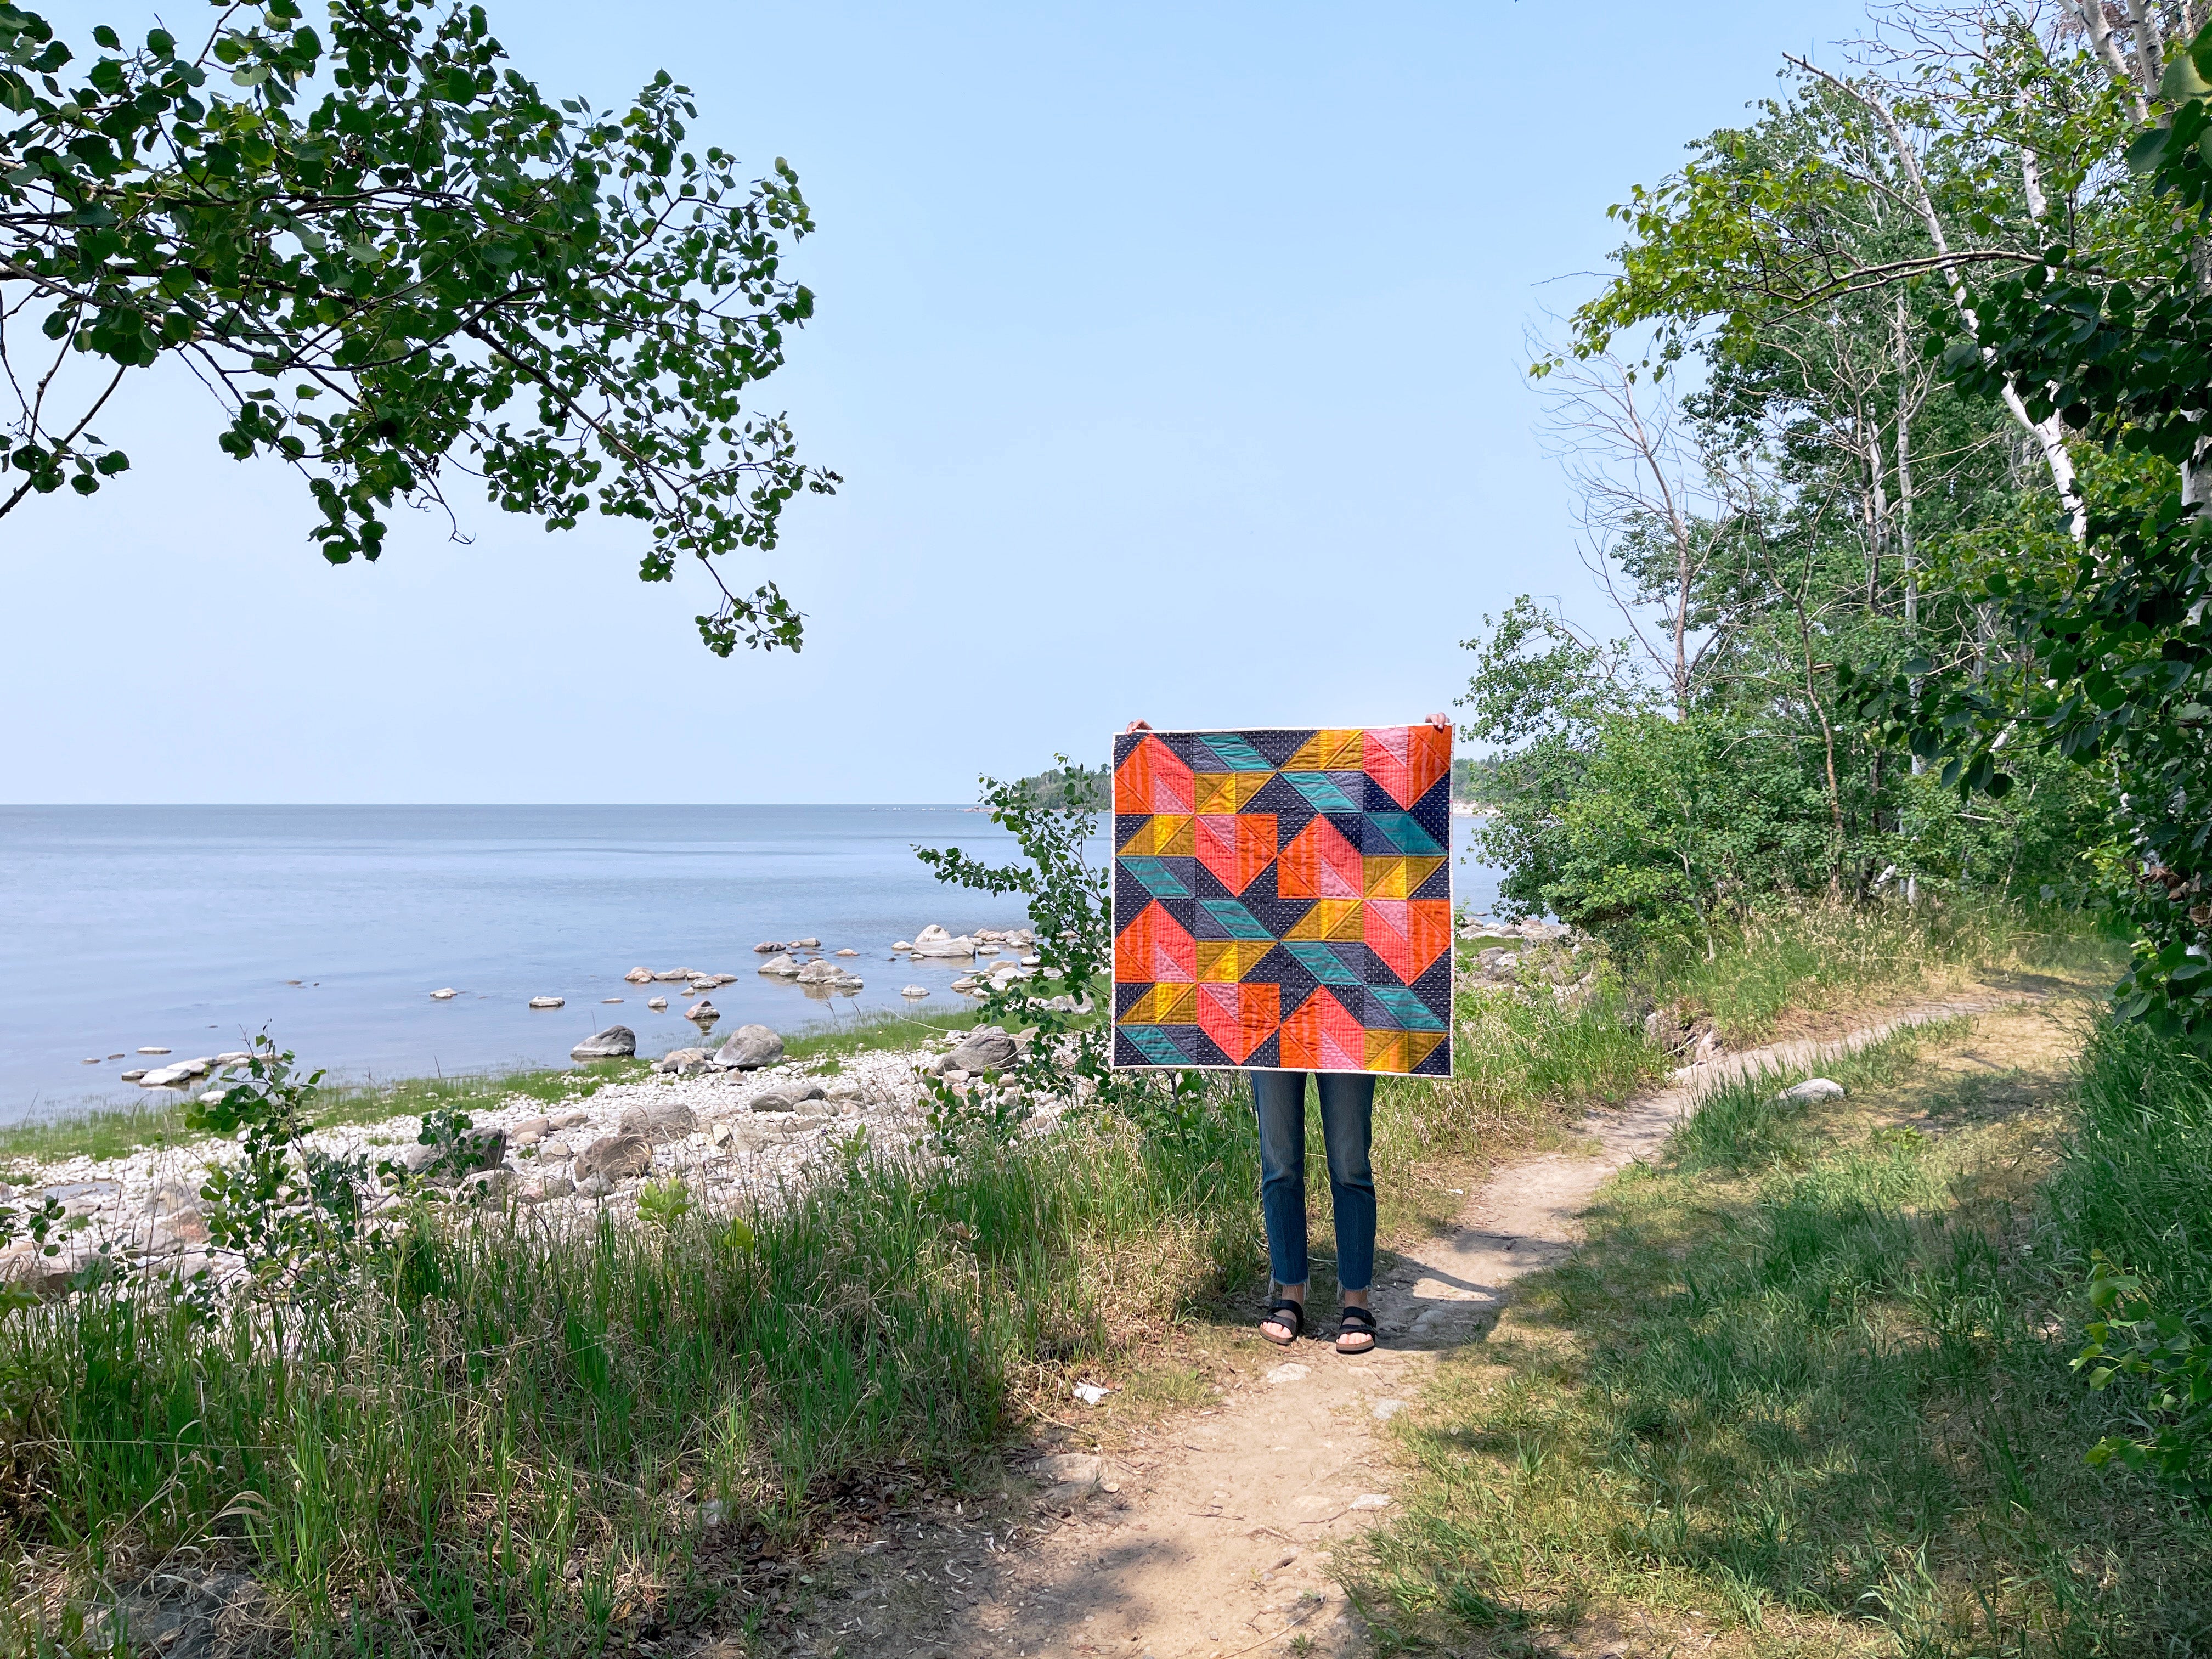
{"points": [[1819, 957], [1808, 1380]]}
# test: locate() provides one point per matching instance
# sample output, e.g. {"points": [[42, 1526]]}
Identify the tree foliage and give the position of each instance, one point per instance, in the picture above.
{"points": [[1788, 493], [389, 256], [2112, 336]]}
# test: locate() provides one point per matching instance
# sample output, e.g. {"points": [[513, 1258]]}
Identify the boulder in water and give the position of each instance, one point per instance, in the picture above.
{"points": [[615, 1042]]}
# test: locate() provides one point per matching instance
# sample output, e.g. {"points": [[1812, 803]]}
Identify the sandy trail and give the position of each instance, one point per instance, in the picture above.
{"points": [[1212, 1535]]}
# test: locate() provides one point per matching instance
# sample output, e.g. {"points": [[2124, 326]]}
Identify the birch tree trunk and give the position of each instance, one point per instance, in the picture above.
{"points": [[2050, 435]]}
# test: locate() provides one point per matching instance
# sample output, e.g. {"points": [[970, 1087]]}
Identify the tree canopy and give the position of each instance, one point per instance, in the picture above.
{"points": [[1865, 488], [390, 258]]}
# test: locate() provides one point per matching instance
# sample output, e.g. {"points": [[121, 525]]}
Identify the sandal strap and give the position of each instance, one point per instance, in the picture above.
{"points": [[1359, 1319], [1296, 1311]]}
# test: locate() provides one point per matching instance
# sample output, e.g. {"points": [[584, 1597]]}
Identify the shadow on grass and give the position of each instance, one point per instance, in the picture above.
{"points": [[1806, 1372]]}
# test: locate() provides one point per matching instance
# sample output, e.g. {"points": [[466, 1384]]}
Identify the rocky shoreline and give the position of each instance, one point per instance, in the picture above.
{"points": [[736, 1135], [820, 973]]}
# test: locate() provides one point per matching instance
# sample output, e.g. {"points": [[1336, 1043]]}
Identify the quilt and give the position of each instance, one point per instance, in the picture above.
{"points": [[1282, 898]]}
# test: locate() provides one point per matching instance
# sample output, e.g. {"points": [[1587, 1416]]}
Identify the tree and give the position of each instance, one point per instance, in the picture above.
{"points": [[2114, 647], [388, 257], [1779, 478]]}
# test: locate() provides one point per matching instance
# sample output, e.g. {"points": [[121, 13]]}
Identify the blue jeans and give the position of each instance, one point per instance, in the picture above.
{"points": [[1347, 1118]]}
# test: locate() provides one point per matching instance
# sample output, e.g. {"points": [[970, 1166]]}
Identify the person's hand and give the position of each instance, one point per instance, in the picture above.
{"points": [[1137, 725], [1442, 722]]}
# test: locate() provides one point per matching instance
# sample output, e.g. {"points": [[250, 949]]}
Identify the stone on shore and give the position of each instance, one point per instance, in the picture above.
{"points": [[667, 1121], [136, 1074], [618, 1156], [615, 1042], [702, 1013], [769, 947], [673, 974], [480, 1149], [848, 951], [944, 946], [1812, 1091], [806, 944], [749, 1047], [784, 964], [445, 994], [684, 1061], [546, 1002], [771, 1100], [917, 992], [659, 1005], [987, 1049], [487, 1183], [640, 976]]}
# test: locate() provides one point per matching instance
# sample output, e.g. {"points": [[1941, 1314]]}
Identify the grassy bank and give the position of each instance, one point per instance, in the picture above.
{"points": [[490, 1439], [1807, 1389]]}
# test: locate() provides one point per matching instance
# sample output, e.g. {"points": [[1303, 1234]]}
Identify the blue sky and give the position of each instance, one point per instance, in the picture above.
{"points": [[1172, 356]]}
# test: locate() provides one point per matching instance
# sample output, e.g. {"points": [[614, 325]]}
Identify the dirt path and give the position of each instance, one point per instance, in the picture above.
{"points": [[1213, 1534]]}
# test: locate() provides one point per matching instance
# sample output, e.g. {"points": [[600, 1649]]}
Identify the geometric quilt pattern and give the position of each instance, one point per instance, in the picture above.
{"points": [[1283, 899]]}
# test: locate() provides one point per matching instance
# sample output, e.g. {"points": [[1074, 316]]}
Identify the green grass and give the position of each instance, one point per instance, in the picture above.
{"points": [[1807, 1387], [1745, 1123], [2136, 1182], [490, 1439], [116, 1131], [1820, 956]]}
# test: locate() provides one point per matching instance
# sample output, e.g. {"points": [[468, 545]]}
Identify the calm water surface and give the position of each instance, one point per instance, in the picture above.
{"points": [[182, 927]]}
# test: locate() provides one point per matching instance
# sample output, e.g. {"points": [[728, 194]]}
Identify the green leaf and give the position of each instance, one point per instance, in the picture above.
{"points": [[2143, 156], [2182, 79]]}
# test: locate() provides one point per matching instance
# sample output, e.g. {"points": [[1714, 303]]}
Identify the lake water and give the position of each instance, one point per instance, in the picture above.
{"points": [[192, 927]]}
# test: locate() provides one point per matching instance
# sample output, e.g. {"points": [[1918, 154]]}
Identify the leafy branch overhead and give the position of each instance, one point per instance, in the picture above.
{"points": [[389, 259]]}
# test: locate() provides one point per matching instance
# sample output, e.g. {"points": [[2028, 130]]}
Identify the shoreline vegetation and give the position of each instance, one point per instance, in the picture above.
{"points": [[670, 1415], [103, 1132]]}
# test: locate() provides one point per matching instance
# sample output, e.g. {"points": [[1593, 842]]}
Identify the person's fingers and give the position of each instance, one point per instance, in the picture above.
{"points": [[1138, 726], [1440, 722]]}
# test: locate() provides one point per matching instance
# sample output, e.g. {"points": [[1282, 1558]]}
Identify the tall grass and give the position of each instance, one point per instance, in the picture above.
{"points": [[1818, 956], [1810, 1377], [2136, 1180], [497, 1437]]}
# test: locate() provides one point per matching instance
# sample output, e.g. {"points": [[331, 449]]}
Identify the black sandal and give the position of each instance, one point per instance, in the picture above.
{"points": [[1357, 1321], [1296, 1322]]}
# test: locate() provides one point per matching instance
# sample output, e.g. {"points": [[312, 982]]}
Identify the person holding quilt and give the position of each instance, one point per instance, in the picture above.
{"points": [[1347, 1113]]}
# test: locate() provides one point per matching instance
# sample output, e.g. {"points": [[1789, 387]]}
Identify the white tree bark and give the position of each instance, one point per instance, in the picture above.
{"points": [[2092, 14], [2050, 435]]}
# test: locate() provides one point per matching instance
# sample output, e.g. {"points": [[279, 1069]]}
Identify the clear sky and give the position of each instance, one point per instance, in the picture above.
{"points": [[1172, 355]]}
